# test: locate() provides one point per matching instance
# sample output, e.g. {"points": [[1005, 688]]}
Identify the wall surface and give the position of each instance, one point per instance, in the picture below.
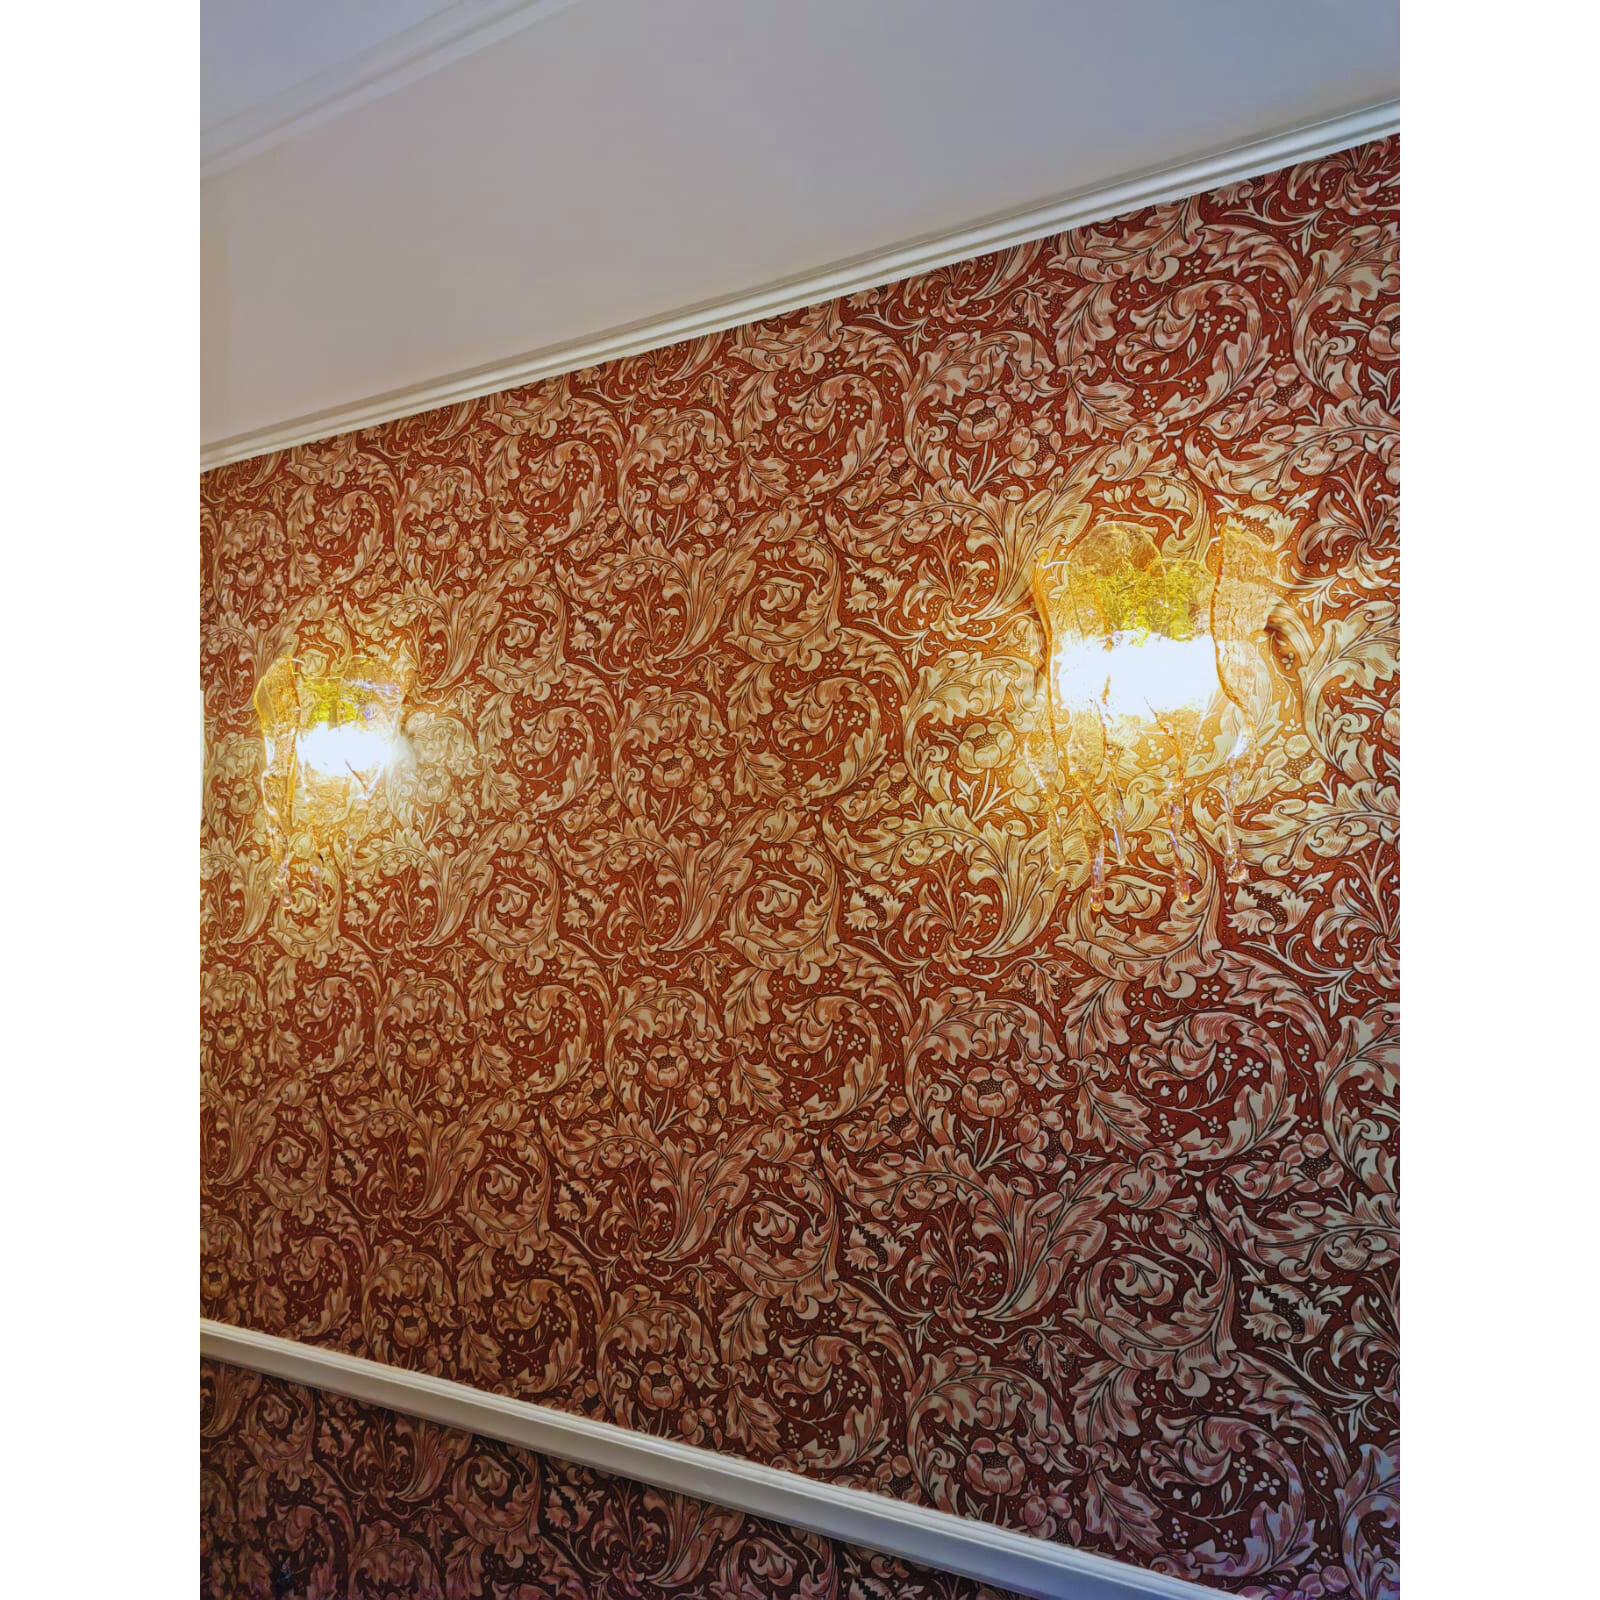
{"points": [[698, 1040], [356, 1500]]}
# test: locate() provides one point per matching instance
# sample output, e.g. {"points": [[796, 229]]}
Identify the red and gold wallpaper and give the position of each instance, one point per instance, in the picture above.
{"points": [[697, 1037], [309, 1496]]}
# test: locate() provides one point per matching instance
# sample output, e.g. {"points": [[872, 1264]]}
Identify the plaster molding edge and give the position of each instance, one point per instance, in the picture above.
{"points": [[435, 42], [1037, 1567], [1156, 186]]}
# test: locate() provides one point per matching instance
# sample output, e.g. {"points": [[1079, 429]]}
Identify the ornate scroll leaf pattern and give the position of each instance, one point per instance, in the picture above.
{"points": [[698, 1038]]}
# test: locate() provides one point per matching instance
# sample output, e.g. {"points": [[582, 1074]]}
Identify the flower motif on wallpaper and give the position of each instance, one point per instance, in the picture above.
{"points": [[701, 1039]]}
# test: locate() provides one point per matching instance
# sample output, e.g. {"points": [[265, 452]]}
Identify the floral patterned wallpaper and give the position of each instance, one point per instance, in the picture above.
{"points": [[698, 1039], [312, 1496]]}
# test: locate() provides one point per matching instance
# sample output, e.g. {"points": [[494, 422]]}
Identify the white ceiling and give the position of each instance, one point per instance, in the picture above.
{"points": [[403, 192], [250, 53], [270, 72]]}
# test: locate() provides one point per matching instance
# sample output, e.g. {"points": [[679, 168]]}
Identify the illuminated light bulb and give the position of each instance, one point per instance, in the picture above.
{"points": [[1134, 676], [351, 749]]}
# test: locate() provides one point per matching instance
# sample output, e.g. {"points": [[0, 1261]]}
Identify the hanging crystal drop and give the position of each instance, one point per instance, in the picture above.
{"points": [[1097, 874], [1180, 873], [1118, 810], [1119, 825], [1049, 790], [1232, 860], [1053, 833]]}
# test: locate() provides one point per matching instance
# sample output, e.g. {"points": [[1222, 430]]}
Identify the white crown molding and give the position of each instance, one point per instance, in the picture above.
{"points": [[1153, 187], [402, 58], [992, 1555]]}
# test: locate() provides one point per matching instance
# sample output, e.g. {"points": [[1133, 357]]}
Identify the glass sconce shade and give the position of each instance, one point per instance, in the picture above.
{"points": [[329, 737], [1153, 662]]}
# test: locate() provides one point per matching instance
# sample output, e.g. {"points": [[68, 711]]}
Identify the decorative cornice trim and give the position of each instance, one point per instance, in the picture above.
{"points": [[992, 1555], [1154, 187], [435, 42]]}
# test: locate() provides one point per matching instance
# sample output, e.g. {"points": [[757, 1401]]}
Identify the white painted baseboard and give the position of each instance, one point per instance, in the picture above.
{"points": [[1154, 187], [992, 1555]]}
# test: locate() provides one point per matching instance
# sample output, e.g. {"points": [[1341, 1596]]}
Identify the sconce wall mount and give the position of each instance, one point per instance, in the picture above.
{"points": [[1156, 668], [330, 734]]}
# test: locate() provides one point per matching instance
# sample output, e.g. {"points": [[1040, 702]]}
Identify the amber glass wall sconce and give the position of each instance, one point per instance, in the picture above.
{"points": [[330, 736], [1154, 665]]}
